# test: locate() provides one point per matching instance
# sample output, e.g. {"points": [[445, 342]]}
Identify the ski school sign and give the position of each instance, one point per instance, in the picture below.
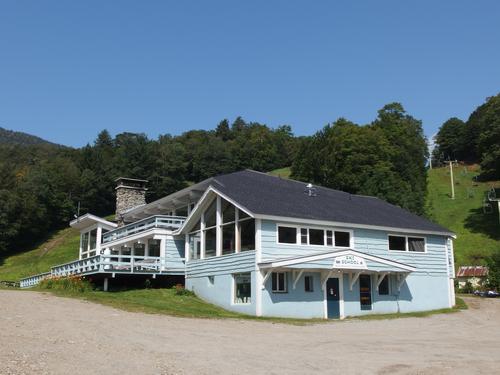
{"points": [[350, 262]]}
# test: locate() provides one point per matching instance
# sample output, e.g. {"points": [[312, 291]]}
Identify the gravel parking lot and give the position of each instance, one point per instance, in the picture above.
{"points": [[44, 334]]}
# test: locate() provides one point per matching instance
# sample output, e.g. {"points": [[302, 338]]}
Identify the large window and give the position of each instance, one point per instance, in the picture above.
{"points": [[154, 248], [88, 244], [210, 242], [313, 236], [242, 288], [397, 243], [287, 235], [279, 282], [316, 237], [93, 239], [85, 242], [416, 244], [228, 239], [342, 239], [405, 243], [139, 249]]}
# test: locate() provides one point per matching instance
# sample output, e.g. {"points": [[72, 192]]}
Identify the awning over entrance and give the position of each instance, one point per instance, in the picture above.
{"points": [[348, 261]]}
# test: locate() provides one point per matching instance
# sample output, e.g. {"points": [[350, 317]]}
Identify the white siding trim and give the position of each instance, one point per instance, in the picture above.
{"points": [[258, 274]]}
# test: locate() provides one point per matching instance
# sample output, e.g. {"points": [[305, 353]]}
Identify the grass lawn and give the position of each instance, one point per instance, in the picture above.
{"points": [[167, 302], [60, 247], [282, 172], [478, 234]]}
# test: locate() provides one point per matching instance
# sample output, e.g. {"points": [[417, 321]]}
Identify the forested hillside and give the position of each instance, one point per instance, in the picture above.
{"points": [[20, 138], [476, 140]]}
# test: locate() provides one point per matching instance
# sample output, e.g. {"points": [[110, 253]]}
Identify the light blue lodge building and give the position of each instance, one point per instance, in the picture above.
{"points": [[266, 246]]}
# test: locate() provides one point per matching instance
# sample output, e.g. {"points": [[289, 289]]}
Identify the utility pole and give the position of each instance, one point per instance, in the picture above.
{"points": [[452, 184]]}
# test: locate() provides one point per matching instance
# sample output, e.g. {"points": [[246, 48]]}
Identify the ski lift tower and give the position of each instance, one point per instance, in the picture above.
{"points": [[494, 197]]}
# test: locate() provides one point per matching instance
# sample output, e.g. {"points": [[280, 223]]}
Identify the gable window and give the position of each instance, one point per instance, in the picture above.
{"points": [[228, 236], [228, 212], [383, 288], [247, 234], [397, 243], [316, 237], [226, 230], [287, 235], [405, 243], [308, 284], [210, 242], [342, 239], [279, 282], [416, 244], [242, 288]]}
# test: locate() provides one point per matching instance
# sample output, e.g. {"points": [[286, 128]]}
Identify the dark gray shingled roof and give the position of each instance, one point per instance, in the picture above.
{"points": [[263, 194]]}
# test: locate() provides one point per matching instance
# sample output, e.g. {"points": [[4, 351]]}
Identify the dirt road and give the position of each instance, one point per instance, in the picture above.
{"points": [[43, 334]]}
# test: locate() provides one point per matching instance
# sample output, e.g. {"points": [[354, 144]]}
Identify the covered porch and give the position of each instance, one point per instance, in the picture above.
{"points": [[344, 277]]}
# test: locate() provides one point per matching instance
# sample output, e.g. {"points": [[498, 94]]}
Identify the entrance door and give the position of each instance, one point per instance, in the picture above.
{"points": [[333, 298]]}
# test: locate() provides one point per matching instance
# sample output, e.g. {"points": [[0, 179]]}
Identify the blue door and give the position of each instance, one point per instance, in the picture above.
{"points": [[333, 298]]}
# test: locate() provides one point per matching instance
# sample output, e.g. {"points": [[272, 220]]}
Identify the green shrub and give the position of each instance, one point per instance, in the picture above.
{"points": [[71, 283], [181, 291]]}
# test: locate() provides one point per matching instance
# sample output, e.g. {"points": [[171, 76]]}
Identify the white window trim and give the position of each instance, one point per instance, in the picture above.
{"points": [[298, 240], [407, 250], [277, 282]]}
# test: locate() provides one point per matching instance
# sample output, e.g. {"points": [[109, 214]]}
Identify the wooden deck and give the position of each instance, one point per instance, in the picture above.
{"points": [[107, 264]]}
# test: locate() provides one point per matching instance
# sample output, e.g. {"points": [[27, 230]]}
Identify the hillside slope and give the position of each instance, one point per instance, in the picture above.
{"points": [[19, 138], [478, 233], [60, 248]]}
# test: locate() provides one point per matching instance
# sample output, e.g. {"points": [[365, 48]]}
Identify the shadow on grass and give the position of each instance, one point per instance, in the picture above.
{"points": [[480, 222], [27, 245]]}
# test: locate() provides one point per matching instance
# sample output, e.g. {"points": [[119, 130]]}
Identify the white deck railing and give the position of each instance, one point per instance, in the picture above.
{"points": [[113, 263], [33, 280], [157, 221]]}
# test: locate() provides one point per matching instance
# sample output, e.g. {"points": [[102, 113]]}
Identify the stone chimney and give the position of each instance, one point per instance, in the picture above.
{"points": [[130, 193]]}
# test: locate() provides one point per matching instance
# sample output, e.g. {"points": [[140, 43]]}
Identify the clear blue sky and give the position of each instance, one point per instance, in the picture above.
{"points": [[69, 69]]}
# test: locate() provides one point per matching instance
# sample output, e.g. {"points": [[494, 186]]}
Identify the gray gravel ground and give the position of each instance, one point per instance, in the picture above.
{"points": [[44, 334]]}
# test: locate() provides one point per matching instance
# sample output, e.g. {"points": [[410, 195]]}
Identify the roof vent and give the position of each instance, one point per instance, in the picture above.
{"points": [[310, 190]]}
